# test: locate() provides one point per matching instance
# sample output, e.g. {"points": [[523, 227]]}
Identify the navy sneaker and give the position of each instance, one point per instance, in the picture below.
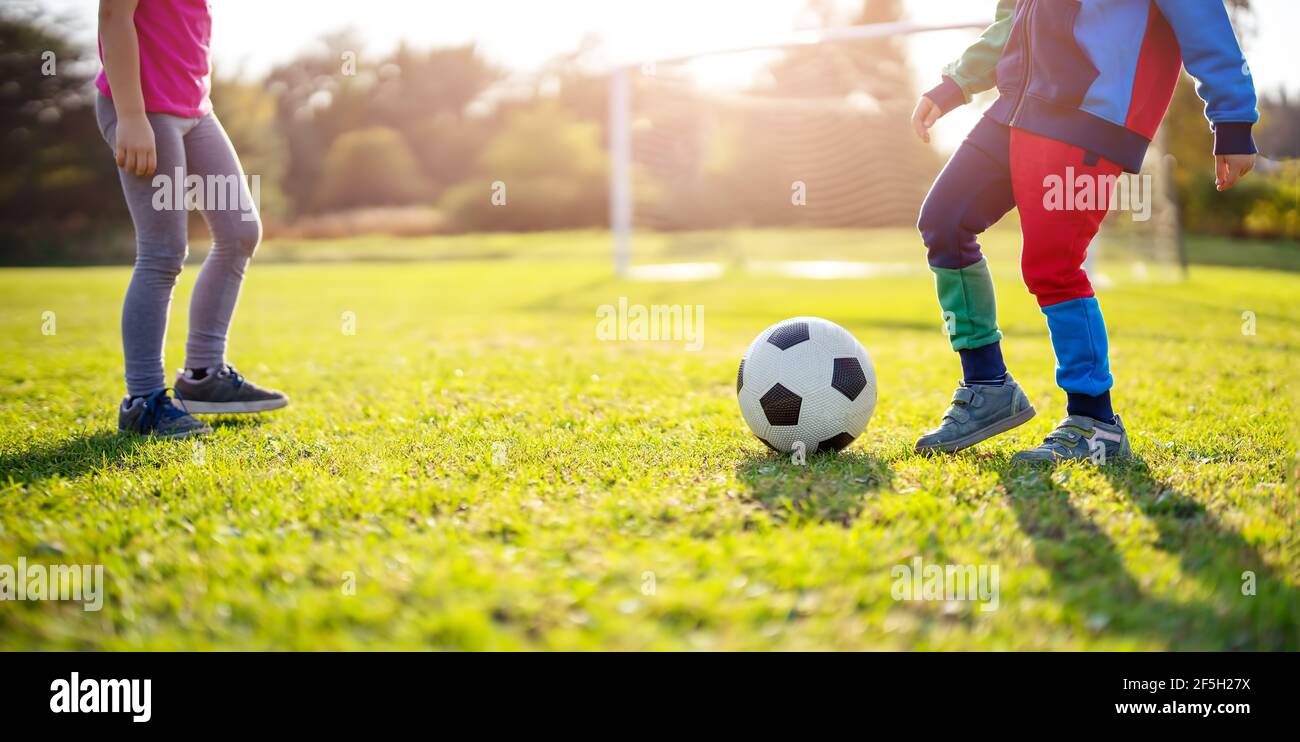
{"points": [[224, 391], [156, 416]]}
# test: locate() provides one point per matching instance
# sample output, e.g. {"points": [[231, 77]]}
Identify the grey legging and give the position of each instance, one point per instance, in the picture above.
{"points": [[198, 147]]}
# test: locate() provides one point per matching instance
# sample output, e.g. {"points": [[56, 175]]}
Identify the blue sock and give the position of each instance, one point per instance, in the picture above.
{"points": [[1098, 407], [983, 365]]}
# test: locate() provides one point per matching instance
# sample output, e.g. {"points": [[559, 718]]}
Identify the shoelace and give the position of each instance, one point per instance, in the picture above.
{"points": [[158, 407], [236, 377]]}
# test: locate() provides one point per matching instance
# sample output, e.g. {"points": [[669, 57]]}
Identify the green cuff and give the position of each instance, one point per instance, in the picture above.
{"points": [[970, 314]]}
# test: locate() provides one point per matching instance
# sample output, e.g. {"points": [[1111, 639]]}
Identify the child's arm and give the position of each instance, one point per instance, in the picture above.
{"points": [[121, 48], [974, 72], [1212, 56]]}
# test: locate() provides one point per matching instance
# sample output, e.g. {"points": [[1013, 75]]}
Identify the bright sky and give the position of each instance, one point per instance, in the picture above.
{"points": [[256, 34]]}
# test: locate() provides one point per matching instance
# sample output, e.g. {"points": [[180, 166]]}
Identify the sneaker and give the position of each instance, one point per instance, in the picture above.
{"points": [[1078, 437], [156, 415], [223, 391], [978, 412]]}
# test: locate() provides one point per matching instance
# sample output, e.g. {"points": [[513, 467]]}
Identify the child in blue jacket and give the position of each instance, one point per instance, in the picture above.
{"points": [[1083, 85]]}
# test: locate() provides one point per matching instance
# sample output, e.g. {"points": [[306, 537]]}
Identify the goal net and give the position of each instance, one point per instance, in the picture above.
{"points": [[796, 157]]}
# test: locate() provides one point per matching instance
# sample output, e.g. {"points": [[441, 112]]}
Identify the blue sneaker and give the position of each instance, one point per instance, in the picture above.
{"points": [[156, 416]]}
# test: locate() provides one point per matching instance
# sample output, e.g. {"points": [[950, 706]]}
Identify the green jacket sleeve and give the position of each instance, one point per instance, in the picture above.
{"points": [[976, 71]]}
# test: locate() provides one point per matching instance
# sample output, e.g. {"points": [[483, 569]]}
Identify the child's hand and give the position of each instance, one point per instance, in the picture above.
{"points": [[135, 145], [923, 118], [1228, 169]]}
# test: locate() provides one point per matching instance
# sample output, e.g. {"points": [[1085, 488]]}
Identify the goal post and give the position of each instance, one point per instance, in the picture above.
{"points": [[804, 154], [620, 169]]}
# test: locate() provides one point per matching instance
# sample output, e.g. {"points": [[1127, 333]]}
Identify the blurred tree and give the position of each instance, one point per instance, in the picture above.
{"points": [[447, 147], [552, 168], [338, 87], [58, 186], [248, 114], [1279, 136], [369, 167], [315, 102], [1264, 204], [427, 95], [542, 141], [339, 128], [579, 81], [416, 85], [876, 67]]}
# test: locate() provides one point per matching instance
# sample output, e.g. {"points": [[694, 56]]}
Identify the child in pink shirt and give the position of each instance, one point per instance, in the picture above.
{"points": [[155, 114]]}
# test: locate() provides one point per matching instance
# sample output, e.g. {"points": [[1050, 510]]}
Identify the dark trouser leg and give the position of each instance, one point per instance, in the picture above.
{"points": [[972, 193]]}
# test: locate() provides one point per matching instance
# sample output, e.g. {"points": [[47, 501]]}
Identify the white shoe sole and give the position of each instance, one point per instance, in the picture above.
{"points": [[233, 408]]}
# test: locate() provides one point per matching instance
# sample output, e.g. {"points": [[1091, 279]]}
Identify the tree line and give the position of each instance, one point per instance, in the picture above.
{"points": [[433, 132]]}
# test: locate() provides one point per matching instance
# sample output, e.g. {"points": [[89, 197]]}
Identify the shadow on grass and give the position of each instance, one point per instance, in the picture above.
{"points": [[1089, 575], [69, 458], [79, 454], [237, 422], [1217, 555], [828, 488]]}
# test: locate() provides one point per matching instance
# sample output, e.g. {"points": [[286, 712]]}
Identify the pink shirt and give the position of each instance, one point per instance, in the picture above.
{"points": [[175, 66]]}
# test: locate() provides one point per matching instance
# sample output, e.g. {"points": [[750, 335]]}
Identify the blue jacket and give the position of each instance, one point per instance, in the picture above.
{"points": [[1099, 74]]}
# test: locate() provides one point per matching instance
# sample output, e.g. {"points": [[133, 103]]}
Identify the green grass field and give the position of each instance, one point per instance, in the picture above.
{"points": [[473, 469]]}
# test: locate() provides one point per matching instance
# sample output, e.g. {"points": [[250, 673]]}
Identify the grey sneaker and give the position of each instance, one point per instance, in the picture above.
{"points": [[978, 412], [156, 415], [1078, 437], [225, 392]]}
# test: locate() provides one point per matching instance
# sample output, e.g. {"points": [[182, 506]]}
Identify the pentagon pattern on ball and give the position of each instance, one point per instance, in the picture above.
{"points": [[781, 406], [806, 381], [848, 377], [789, 335], [835, 442]]}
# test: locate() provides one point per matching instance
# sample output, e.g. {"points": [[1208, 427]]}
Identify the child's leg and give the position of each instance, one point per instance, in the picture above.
{"points": [[971, 194], [236, 231], [160, 237], [1057, 232]]}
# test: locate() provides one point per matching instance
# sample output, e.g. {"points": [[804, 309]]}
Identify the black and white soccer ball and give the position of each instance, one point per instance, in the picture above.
{"points": [[806, 380]]}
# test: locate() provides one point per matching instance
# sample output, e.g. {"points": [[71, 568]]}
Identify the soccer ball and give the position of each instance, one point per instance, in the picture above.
{"points": [[806, 380]]}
